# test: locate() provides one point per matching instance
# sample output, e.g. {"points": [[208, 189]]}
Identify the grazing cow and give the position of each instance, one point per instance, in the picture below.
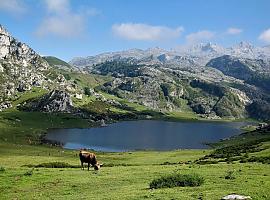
{"points": [[89, 158]]}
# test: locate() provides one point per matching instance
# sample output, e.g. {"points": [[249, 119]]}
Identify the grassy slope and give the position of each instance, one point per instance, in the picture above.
{"points": [[55, 61]]}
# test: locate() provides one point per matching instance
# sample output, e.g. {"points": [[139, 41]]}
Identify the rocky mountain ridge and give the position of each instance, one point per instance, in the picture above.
{"points": [[200, 80], [20, 66], [22, 69], [195, 55]]}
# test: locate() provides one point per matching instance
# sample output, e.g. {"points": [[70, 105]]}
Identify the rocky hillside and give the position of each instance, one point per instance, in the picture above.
{"points": [[29, 82], [199, 79], [55, 101], [22, 69], [20, 66], [252, 71], [182, 90]]}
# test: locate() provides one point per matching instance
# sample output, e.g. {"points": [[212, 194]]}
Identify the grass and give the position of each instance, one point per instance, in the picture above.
{"points": [[182, 116], [55, 61], [130, 181]]}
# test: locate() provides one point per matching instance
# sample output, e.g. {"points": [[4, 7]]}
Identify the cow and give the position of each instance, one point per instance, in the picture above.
{"points": [[89, 158]]}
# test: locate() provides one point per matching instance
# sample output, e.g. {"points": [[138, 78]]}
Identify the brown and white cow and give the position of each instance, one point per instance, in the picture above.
{"points": [[89, 158]]}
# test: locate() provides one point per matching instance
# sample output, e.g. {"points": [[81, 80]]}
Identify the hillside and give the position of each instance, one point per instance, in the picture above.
{"points": [[160, 81], [58, 63], [207, 79], [45, 84]]}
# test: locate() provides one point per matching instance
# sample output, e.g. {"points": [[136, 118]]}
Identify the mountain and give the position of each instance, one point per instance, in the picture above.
{"points": [[23, 71], [252, 71], [195, 55], [241, 68], [205, 79], [29, 82]]}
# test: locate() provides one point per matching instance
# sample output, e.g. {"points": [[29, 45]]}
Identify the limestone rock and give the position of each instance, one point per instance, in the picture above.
{"points": [[236, 196], [55, 101]]}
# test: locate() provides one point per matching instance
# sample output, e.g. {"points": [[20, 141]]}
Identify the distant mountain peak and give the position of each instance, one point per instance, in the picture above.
{"points": [[244, 44], [196, 54], [3, 31]]}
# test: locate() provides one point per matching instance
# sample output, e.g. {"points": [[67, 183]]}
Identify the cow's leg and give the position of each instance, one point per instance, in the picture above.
{"points": [[88, 166], [82, 166]]}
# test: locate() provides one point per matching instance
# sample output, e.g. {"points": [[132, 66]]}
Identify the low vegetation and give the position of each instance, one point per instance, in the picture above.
{"points": [[251, 146], [2, 169], [177, 180], [53, 165], [230, 175]]}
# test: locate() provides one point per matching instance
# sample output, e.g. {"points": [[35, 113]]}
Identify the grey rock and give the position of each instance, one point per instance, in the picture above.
{"points": [[55, 101], [236, 196]]}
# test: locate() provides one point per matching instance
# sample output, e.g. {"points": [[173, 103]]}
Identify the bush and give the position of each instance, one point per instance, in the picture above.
{"points": [[230, 175], [29, 173], [54, 165], [87, 91], [2, 169], [206, 162], [262, 159], [177, 180]]}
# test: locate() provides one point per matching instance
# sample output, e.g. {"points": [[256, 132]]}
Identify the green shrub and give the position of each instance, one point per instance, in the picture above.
{"points": [[87, 91], [29, 173], [117, 165], [262, 159], [2, 169], [177, 180], [54, 165], [230, 175], [67, 77], [206, 162]]}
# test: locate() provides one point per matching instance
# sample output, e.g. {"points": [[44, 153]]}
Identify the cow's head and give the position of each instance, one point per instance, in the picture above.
{"points": [[97, 166]]}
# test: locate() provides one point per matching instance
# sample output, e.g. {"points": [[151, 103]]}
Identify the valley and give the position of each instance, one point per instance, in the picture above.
{"points": [[204, 83]]}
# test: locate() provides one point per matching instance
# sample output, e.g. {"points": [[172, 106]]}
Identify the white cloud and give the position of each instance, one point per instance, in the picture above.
{"points": [[137, 31], [62, 21], [15, 7], [58, 6], [265, 36], [65, 25], [234, 31], [200, 36]]}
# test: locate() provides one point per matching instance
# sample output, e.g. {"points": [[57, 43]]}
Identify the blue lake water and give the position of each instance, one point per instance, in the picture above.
{"points": [[146, 135]]}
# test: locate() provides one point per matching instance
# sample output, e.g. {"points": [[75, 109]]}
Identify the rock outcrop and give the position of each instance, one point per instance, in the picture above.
{"points": [[55, 101], [21, 67], [16, 52]]}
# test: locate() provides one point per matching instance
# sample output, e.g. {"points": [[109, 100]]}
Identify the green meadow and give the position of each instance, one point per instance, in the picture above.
{"points": [[124, 175]]}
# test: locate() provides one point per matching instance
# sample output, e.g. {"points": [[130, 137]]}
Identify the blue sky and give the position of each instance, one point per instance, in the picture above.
{"points": [[70, 28]]}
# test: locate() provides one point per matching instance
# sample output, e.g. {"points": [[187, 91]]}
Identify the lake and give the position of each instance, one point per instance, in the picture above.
{"points": [[146, 135]]}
